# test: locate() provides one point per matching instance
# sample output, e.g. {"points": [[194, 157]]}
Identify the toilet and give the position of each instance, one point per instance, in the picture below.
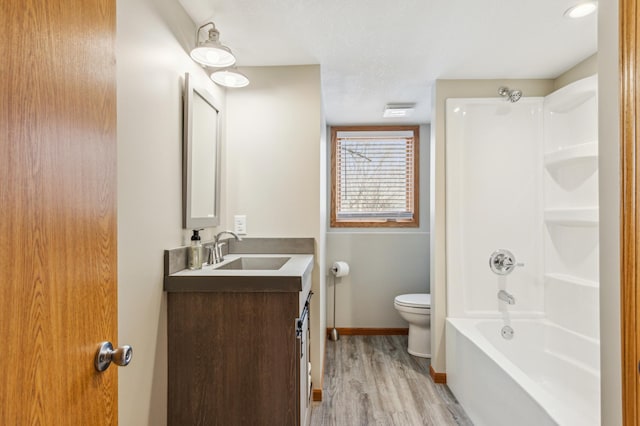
{"points": [[416, 310]]}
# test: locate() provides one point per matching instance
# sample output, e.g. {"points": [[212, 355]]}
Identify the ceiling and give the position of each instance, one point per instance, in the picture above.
{"points": [[375, 52]]}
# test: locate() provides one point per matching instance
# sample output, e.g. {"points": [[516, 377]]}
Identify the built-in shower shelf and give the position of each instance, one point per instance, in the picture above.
{"points": [[572, 154], [572, 217], [571, 96], [571, 279]]}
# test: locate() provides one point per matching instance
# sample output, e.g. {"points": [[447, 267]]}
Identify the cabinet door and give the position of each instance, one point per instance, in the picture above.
{"points": [[233, 359], [304, 379]]}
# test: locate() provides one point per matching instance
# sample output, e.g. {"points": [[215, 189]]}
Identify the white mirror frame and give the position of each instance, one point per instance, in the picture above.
{"points": [[201, 141]]}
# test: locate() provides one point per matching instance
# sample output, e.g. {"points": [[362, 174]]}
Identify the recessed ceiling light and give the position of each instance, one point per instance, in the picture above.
{"points": [[398, 110], [581, 10]]}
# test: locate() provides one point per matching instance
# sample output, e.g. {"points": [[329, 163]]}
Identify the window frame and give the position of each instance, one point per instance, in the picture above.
{"points": [[369, 222]]}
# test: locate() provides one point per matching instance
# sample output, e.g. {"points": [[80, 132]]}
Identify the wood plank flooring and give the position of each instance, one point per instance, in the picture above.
{"points": [[372, 380]]}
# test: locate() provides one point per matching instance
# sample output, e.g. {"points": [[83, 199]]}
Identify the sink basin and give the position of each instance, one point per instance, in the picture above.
{"points": [[256, 263]]}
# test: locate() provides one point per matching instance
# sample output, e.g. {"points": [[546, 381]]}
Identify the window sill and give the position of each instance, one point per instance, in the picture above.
{"points": [[375, 224]]}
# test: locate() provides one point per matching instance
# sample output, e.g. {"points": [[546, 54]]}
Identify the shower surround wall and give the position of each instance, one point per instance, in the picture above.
{"points": [[571, 208], [494, 156], [523, 177]]}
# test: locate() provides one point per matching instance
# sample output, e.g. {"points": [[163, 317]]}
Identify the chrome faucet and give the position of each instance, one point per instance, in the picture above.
{"points": [[217, 246], [504, 296]]}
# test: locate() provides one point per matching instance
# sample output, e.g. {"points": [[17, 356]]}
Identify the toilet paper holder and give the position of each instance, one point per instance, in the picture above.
{"points": [[338, 269]]}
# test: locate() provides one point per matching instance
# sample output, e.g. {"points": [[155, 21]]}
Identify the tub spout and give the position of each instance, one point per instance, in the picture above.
{"points": [[504, 296]]}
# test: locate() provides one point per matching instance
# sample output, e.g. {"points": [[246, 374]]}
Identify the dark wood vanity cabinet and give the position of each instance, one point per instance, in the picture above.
{"points": [[238, 358]]}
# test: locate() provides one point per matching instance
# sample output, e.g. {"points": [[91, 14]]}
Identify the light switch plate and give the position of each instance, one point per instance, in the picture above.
{"points": [[240, 224]]}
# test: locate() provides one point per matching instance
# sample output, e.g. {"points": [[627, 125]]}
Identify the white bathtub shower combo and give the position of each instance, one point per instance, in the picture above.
{"points": [[522, 329]]}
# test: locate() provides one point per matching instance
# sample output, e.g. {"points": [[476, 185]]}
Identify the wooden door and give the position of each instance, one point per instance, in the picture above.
{"points": [[57, 211], [630, 207]]}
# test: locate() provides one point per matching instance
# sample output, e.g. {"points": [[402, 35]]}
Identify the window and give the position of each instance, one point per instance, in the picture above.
{"points": [[374, 176]]}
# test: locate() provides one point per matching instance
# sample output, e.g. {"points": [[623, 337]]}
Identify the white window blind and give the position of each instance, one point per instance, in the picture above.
{"points": [[375, 175]]}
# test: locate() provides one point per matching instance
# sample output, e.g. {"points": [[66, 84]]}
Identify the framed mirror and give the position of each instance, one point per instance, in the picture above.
{"points": [[201, 157]]}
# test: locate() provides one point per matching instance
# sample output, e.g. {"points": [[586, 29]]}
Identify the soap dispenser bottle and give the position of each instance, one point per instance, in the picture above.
{"points": [[195, 251]]}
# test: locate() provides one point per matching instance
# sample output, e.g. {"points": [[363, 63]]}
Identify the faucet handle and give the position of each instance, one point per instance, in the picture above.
{"points": [[210, 254], [218, 256], [509, 262], [502, 262]]}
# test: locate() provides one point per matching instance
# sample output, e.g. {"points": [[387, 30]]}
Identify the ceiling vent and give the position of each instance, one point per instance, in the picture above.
{"points": [[398, 110]]}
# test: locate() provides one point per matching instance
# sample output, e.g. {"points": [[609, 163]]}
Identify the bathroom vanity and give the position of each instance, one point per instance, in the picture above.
{"points": [[238, 338]]}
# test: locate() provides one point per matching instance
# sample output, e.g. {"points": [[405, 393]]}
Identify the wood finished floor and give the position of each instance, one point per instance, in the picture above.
{"points": [[372, 380]]}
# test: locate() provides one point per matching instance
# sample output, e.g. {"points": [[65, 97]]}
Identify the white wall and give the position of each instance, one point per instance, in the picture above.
{"points": [[271, 158], [382, 266], [321, 302], [609, 172], [579, 71], [383, 263], [153, 37], [272, 167]]}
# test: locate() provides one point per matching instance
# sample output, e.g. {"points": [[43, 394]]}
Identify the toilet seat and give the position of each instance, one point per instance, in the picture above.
{"points": [[415, 300]]}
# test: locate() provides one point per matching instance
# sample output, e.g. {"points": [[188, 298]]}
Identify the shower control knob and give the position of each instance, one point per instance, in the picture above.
{"points": [[503, 262]]}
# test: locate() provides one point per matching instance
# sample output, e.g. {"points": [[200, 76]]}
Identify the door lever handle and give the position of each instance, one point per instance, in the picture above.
{"points": [[106, 355]]}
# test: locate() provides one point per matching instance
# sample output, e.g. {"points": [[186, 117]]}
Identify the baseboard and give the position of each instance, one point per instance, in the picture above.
{"points": [[350, 331], [438, 377], [316, 395]]}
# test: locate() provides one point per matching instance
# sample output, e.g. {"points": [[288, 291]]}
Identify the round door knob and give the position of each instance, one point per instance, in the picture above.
{"points": [[106, 355]]}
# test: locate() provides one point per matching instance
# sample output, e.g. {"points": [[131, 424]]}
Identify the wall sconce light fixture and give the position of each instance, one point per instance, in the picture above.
{"points": [[230, 77], [211, 52]]}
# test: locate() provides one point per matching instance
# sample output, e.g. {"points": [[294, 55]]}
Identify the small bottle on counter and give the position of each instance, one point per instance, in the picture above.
{"points": [[195, 251]]}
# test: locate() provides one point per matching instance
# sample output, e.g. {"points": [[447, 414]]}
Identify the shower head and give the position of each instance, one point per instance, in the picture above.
{"points": [[511, 95], [515, 95]]}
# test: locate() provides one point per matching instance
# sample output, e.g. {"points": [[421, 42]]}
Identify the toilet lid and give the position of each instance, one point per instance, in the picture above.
{"points": [[416, 300]]}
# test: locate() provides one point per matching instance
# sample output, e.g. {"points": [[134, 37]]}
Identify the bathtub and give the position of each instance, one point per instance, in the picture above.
{"points": [[544, 375]]}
